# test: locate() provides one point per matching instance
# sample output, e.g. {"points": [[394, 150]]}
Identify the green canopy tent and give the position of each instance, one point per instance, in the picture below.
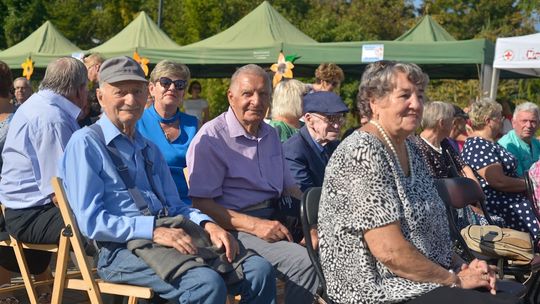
{"points": [[256, 38], [426, 44], [42, 46], [143, 36]]}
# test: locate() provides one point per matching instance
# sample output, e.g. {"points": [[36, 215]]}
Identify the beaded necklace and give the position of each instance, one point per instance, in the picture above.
{"points": [[391, 146]]}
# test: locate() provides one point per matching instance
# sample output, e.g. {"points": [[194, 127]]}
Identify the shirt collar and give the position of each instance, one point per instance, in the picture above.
{"points": [[237, 130], [515, 138], [110, 132], [318, 145], [63, 103]]}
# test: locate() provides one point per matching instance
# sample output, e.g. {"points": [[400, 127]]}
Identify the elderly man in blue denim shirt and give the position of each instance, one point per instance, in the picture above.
{"points": [[108, 213]]}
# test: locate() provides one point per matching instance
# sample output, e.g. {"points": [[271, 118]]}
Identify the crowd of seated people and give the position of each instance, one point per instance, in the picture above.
{"points": [[382, 236]]}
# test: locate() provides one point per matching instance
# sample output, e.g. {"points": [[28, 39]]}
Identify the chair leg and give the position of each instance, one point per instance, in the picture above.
{"points": [[25, 272], [132, 300], [92, 287], [61, 270]]}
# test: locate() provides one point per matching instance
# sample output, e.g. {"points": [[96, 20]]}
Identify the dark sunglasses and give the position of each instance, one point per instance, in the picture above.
{"points": [[166, 82]]}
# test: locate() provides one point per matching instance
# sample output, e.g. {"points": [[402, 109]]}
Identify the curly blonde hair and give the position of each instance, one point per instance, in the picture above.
{"points": [[482, 110], [329, 72]]}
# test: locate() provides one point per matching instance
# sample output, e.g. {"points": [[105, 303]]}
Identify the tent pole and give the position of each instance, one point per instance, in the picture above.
{"points": [[485, 79], [494, 84]]}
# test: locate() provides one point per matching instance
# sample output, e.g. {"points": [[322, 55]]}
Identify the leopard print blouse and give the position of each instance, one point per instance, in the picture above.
{"points": [[364, 189]]}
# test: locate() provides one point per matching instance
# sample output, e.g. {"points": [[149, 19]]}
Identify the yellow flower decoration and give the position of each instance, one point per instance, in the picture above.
{"points": [[281, 69], [143, 62], [28, 68]]}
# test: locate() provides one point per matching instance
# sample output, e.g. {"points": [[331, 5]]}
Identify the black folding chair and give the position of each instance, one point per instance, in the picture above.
{"points": [[457, 193], [309, 215]]}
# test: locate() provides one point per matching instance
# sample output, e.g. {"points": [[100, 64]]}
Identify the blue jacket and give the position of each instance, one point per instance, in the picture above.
{"points": [[305, 159]]}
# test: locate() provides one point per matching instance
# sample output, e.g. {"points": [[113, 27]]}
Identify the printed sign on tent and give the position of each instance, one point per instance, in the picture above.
{"points": [[372, 52]]}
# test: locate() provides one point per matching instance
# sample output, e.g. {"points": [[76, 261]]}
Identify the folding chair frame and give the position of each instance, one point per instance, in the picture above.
{"points": [[71, 237]]}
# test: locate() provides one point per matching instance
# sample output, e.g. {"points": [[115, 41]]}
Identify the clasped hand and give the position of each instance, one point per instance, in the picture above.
{"points": [[181, 241], [478, 274]]}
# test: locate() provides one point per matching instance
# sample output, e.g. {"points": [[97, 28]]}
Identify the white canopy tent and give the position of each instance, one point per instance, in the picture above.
{"points": [[520, 54]]}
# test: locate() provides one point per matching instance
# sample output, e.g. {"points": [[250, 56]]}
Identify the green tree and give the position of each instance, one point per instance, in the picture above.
{"points": [[22, 17], [79, 28]]}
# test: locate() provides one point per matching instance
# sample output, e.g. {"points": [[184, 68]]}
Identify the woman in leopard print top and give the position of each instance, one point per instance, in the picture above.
{"points": [[384, 236]]}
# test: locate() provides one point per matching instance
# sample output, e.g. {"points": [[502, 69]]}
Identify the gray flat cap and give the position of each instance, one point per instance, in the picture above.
{"points": [[120, 69]]}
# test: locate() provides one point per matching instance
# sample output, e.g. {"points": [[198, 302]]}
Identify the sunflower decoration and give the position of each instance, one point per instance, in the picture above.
{"points": [[28, 68], [143, 62], [283, 68]]}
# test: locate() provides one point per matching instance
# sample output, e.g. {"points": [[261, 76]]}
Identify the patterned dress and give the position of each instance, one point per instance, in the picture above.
{"points": [[441, 164], [364, 189], [514, 208]]}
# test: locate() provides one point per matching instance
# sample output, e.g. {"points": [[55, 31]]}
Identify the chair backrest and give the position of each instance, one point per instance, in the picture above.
{"points": [[459, 191], [309, 215], [72, 237]]}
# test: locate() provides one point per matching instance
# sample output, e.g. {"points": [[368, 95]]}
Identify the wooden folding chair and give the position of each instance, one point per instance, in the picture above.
{"points": [[71, 237], [29, 283]]}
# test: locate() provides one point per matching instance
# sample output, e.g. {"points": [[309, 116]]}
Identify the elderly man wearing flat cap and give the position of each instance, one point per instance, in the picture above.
{"points": [[146, 234], [308, 151]]}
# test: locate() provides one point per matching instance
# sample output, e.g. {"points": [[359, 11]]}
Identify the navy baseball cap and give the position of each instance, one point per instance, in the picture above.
{"points": [[325, 103]]}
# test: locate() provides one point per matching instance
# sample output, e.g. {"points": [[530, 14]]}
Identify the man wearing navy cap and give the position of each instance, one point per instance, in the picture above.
{"points": [[308, 151]]}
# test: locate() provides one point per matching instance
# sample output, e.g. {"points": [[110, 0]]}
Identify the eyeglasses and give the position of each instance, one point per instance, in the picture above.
{"points": [[166, 82], [337, 119]]}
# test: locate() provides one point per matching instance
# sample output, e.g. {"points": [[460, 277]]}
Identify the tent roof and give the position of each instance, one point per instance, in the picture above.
{"points": [[520, 54], [43, 45], [140, 34], [256, 38], [427, 30], [263, 33], [450, 59]]}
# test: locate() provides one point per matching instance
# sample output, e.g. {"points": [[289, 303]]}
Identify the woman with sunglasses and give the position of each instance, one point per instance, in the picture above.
{"points": [[164, 124]]}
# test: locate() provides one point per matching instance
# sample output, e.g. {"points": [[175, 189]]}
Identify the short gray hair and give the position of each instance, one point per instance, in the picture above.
{"points": [[527, 107], [169, 68], [436, 111], [65, 76], [23, 79], [287, 98], [378, 80], [482, 110], [251, 69]]}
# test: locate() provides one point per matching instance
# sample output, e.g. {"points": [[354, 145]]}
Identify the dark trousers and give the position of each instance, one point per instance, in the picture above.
{"points": [[447, 295], [38, 225]]}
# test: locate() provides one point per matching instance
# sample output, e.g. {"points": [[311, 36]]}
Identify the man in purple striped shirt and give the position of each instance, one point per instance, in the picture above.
{"points": [[237, 173]]}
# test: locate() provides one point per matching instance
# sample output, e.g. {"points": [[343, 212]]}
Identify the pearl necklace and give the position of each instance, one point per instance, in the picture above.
{"points": [[391, 146]]}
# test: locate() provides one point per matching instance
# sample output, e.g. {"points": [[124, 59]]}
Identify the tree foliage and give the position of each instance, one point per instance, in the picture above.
{"points": [[88, 23]]}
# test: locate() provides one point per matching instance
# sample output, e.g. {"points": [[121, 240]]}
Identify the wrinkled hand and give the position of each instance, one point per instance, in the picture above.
{"points": [[478, 274], [314, 238], [271, 231], [176, 238], [221, 238]]}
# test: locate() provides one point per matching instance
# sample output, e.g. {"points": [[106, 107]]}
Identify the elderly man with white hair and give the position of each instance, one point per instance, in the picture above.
{"points": [[521, 141]]}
